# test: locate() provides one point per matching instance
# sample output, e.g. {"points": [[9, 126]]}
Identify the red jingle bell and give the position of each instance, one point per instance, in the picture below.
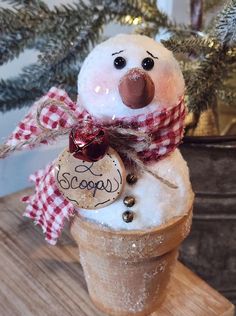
{"points": [[89, 145]]}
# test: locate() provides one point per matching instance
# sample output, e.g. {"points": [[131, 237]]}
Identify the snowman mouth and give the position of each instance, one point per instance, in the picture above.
{"points": [[136, 89]]}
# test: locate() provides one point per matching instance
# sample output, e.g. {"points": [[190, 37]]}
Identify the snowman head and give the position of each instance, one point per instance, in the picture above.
{"points": [[129, 75]]}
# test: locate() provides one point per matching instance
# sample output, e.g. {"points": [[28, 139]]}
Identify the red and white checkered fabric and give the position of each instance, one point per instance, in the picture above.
{"points": [[166, 129], [52, 117], [47, 207]]}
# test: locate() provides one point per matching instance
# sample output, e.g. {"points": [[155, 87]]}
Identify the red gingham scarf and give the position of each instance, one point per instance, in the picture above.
{"points": [[47, 207]]}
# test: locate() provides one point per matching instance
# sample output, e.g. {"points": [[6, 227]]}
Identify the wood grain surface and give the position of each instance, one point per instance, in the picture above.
{"points": [[38, 279]]}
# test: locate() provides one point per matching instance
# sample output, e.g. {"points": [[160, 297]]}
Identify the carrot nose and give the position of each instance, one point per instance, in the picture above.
{"points": [[136, 89]]}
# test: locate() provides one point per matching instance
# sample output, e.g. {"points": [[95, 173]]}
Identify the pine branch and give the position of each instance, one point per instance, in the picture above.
{"points": [[23, 90], [191, 45], [205, 81], [39, 20], [20, 29], [225, 29], [65, 53], [45, 25], [216, 65], [7, 21], [65, 35], [75, 46], [32, 3], [38, 78], [228, 96], [20, 19], [12, 45]]}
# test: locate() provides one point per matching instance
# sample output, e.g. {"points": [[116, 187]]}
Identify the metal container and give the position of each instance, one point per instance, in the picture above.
{"points": [[210, 249]]}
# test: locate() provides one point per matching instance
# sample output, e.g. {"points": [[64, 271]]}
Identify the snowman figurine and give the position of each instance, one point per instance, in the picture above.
{"points": [[122, 179], [133, 76], [130, 102]]}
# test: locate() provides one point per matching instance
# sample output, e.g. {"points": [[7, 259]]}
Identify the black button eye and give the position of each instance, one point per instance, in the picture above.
{"points": [[119, 62], [147, 63]]}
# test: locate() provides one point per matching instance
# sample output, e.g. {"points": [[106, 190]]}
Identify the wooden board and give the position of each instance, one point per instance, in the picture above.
{"points": [[42, 280]]}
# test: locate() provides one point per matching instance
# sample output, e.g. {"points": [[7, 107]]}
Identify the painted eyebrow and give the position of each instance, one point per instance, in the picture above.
{"points": [[117, 52], [151, 54]]}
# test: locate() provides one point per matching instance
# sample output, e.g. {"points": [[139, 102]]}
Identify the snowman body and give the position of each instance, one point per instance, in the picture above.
{"points": [[154, 201], [126, 76]]}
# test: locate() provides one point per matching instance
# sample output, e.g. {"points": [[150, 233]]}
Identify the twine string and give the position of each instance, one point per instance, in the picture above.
{"points": [[120, 138], [58, 104], [140, 166]]}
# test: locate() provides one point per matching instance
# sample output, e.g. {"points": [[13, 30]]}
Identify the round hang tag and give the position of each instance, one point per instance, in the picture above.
{"points": [[90, 185]]}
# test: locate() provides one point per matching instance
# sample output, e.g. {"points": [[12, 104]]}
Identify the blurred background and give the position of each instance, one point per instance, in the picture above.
{"points": [[42, 46]]}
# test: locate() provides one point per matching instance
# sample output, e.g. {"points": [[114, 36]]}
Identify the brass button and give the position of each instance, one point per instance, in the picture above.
{"points": [[131, 178], [128, 216], [129, 201]]}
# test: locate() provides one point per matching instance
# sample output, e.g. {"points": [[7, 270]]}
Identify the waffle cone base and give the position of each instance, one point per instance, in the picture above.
{"points": [[138, 293], [127, 272], [111, 312]]}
